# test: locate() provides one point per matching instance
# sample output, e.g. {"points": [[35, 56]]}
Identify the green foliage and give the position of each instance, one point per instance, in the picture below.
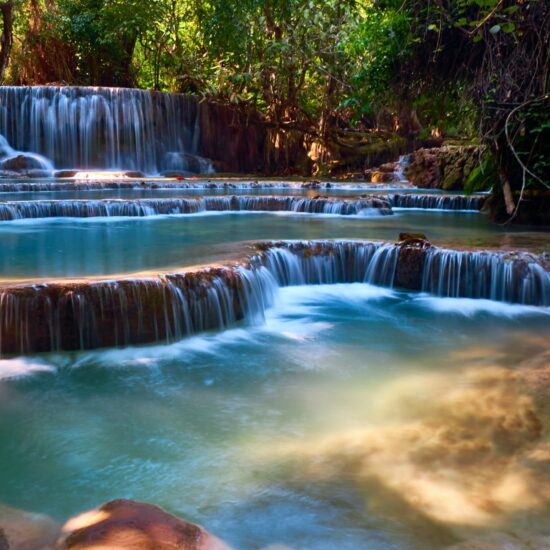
{"points": [[377, 43], [292, 59], [318, 65], [448, 111], [482, 177], [103, 34], [529, 130]]}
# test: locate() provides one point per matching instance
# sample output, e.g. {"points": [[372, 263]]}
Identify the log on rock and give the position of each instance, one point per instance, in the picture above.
{"points": [[412, 236], [129, 525]]}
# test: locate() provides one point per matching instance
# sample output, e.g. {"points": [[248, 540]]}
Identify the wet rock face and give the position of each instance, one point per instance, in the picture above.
{"points": [[130, 525], [410, 265], [442, 167], [88, 314]]}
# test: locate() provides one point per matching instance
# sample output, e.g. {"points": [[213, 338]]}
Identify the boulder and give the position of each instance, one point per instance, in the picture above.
{"points": [[445, 167], [22, 163], [379, 176], [129, 525]]}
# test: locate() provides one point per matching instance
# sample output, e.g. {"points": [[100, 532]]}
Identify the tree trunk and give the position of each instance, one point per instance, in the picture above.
{"points": [[6, 40]]}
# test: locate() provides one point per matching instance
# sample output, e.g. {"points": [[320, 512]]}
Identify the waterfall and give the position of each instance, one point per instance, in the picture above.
{"points": [[484, 275], [100, 128], [126, 312], [436, 202], [151, 207], [328, 262], [402, 163], [92, 314]]}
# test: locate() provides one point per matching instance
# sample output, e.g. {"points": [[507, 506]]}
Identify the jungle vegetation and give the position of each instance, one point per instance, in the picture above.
{"points": [[470, 69]]}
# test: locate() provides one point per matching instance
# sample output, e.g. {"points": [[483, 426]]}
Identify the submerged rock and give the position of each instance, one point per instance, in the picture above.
{"points": [[501, 540], [458, 457], [21, 530], [129, 525]]}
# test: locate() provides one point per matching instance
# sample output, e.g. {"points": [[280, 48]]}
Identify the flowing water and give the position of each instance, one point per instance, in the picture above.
{"points": [[289, 395], [101, 128], [212, 427]]}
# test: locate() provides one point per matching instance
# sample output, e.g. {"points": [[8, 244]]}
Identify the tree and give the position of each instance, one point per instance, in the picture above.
{"points": [[6, 40]]}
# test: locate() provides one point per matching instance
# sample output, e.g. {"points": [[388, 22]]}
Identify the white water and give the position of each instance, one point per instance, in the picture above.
{"points": [[20, 367], [257, 433], [102, 128]]}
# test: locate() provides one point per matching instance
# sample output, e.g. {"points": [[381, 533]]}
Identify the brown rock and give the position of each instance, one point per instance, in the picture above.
{"points": [[410, 265], [20, 163], [129, 525], [382, 177], [510, 541], [445, 167], [413, 236], [134, 174], [389, 167], [65, 173]]}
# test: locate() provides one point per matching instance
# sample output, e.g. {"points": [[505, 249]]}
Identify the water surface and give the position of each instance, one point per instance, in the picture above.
{"points": [[254, 431], [87, 247]]}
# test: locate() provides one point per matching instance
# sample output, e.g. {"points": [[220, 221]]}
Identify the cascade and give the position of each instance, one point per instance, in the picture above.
{"points": [[436, 202], [503, 278], [402, 163], [101, 128], [150, 207], [102, 313]]}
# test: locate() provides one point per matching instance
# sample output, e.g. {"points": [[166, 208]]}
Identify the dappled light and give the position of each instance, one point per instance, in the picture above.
{"points": [[467, 449]]}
